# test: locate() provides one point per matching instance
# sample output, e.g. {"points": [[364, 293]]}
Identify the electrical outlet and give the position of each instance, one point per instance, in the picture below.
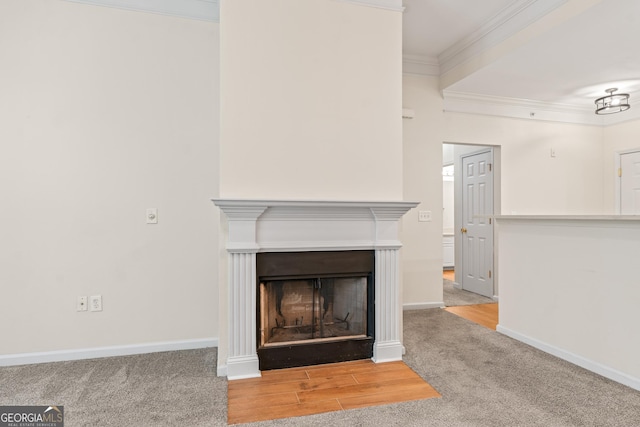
{"points": [[81, 304], [424, 216], [152, 215], [95, 303]]}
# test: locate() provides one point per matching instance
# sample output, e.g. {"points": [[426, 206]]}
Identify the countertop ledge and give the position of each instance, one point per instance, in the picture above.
{"points": [[568, 217]]}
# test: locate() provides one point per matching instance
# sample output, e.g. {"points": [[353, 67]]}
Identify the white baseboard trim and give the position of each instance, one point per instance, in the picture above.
{"points": [[587, 364], [99, 352], [387, 351], [422, 305], [241, 367], [222, 371]]}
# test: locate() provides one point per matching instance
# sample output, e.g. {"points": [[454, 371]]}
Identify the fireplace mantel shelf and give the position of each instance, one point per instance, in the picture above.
{"points": [[222, 203], [312, 209]]}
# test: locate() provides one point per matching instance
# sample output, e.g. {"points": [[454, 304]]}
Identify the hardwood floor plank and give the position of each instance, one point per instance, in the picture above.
{"points": [[368, 366], [383, 376], [360, 389], [277, 375], [482, 314], [260, 390], [449, 275], [266, 401], [266, 382], [284, 411], [420, 393]]}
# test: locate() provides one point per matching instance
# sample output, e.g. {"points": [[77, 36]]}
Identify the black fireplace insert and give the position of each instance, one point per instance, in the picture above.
{"points": [[314, 307]]}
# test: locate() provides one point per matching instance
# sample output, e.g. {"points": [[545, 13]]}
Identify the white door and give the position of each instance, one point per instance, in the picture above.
{"points": [[477, 224], [630, 183]]}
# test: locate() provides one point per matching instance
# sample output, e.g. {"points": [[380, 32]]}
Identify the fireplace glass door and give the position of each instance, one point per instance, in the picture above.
{"points": [[314, 309]]}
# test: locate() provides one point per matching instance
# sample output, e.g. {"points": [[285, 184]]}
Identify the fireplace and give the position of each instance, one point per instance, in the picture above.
{"points": [[314, 307], [261, 233]]}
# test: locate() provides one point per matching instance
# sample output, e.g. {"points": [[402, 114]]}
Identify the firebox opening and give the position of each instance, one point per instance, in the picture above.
{"points": [[314, 307]]}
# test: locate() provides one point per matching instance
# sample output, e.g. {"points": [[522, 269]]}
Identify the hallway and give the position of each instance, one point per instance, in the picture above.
{"points": [[485, 314]]}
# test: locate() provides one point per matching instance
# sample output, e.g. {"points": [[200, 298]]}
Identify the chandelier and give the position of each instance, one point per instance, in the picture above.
{"points": [[612, 103]]}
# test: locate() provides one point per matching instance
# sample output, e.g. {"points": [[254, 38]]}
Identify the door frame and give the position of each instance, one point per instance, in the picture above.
{"points": [[458, 194], [618, 162]]}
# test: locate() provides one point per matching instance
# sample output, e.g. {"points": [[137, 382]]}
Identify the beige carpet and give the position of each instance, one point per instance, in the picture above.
{"points": [[485, 379]]}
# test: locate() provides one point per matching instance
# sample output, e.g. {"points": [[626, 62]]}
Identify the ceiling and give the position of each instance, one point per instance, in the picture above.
{"points": [[539, 59], [542, 54]]}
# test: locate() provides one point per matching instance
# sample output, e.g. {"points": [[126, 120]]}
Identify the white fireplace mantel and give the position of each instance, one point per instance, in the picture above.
{"points": [[308, 225]]}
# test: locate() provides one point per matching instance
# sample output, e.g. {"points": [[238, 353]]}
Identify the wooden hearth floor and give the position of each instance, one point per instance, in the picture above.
{"points": [[295, 392]]}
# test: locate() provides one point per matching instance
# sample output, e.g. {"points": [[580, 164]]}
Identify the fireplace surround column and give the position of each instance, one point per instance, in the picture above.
{"points": [[306, 225], [388, 344], [242, 247]]}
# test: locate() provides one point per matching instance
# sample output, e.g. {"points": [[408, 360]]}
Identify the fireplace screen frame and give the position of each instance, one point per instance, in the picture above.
{"points": [[286, 266]]}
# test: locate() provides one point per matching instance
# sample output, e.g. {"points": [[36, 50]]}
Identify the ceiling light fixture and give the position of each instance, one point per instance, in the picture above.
{"points": [[612, 103]]}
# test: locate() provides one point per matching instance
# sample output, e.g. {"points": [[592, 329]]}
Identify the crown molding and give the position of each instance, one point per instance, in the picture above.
{"points": [[532, 110], [421, 65], [510, 20], [395, 5], [208, 10], [204, 10]]}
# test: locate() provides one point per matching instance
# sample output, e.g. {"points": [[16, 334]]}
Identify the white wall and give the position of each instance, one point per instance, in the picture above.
{"points": [[532, 181], [105, 113], [311, 100], [447, 154], [422, 241], [448, 190], [579, 299], [448, 205], [617, 138]]}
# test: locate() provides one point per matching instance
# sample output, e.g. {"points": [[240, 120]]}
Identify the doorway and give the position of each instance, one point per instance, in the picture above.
{"points": [[476, 186], [629, 183]]}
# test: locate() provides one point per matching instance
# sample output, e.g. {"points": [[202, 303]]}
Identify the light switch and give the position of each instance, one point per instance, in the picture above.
{"points": [[152, 216]]}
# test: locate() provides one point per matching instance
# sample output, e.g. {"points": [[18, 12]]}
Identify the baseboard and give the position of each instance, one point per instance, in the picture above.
{"points": [[387, 351], [587, 364], [99, 352], [241, 367], [422, 305], [222, 371]]}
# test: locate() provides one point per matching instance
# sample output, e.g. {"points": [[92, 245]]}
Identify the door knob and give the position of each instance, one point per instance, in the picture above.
{"points": [[463, 230]]}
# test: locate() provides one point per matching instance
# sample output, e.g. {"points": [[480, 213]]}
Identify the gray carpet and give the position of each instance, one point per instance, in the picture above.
{"points": [[485, 378], [454, 296]]}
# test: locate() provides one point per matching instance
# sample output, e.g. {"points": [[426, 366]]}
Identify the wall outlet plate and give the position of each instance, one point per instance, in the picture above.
{"points": [[424, 216], [95, 303], [152, 215], [81, 304]]}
